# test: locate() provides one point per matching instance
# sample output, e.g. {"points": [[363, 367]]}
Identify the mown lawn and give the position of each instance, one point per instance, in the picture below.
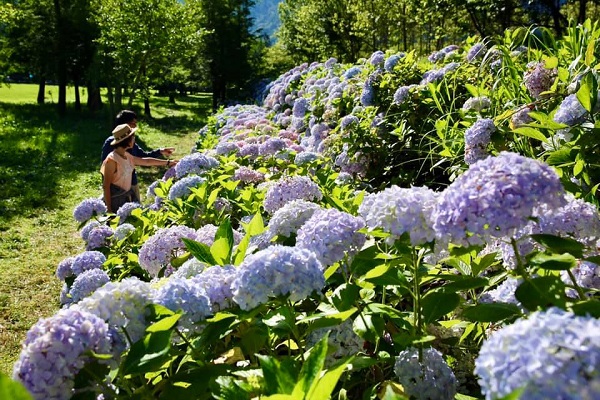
{"points": [[48, 165]]}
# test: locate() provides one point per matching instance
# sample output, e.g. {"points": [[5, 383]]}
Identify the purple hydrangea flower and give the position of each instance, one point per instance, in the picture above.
{"points": [[271, 146], [89, 208], [352, 72], [402, 94], [183, 187], [354, 165], [504, 293], [478, 50], [392, 61], [342, 342], [125, 211], [300, 107], [477, 138], [206, 235], [430, 378], [150, 192], [377, 58], [87, 283], [349, 120], [216, 281], [495, 197], [99, 237], [288, 189], [289, 218], [169, 174], [367, 97], [305, 157], [85, 231], [123, 231], [224, 148], [64, 269], [86, 261], [401, 210], [521, 117], [538, 78], [190, 268], [163, 246], [587, 276], [56, 349], [195, 163], [551, 354], [277, 271], [570, 112], [331, 234], [248, 175]]}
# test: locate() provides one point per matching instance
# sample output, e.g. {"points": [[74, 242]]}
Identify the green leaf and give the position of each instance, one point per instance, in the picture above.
{"points": [[369, 326], [12, 390], [541, 292], [550, 62], [200, 251], [148, 354], [491, 312], [345, 296], [319, 321], [560, 245], [386, 275], [323, 387], [223, 245], [466, 283], [530, 132], [589, 53], [588, 90], [311, 368], [558, 262], [434, 305], [578, 167], [164, 324], [562, 156], [280, 374], [587, 307]]}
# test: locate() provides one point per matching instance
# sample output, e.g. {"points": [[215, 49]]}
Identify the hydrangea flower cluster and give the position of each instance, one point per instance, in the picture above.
{"points": [[587, 276], [331, 234], [570, 112], [400, 210], [551, 355], [538, 78], [288, 189], [190, 268], [125, 211], [86, 261], [85, 231], [443, 53], [217, 281], [477, 138], [183, 294], [224, 148], [85, 284], [183, 187], [99, 237], [476, 51], [392, 61], [435, 75], [122, 305], [504, 293], [430, 379], [377, 58], [342, 342], [577, 219], [349, 120], [123, 231], [521, 117], [271, 146], [305, 157], [195, 163], [56, 349], [277, 271], [248, 175], [477, 104], [494, 198], [367, 97], [402, 94], [161, 247], [64, 269], [89, 208], [289, 218]]}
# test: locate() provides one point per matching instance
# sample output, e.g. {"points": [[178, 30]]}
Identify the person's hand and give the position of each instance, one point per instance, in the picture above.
{"points": [[174, 163], [167, 151]]}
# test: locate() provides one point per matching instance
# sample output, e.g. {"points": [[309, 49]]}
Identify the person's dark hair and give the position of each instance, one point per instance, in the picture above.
{"points": [[124, 143], [125, 117]]}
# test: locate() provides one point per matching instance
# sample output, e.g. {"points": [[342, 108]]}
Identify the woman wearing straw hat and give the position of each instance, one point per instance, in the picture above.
{"points": [[118, 167]]}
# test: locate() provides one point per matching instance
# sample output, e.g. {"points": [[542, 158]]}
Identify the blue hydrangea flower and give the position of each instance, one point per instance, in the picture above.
{"points": [[56, 349], [125, 210], [277, 271], [401, 210], [504, 293], [476, 51], [195, 163], [538, 78], [224, 148], [305, 157], [377, 58], [99, 237], [85, 231], [330, 63], [494, 198], [570, 112], [150, 192], [64, 269], [158, 251], [87, 283], [216, 281], [551, 354], [521, 117], [300, 107], [271, 146], [402, 94], [170, 173], [587, 276], [577, 219], [367, 97], [88, 208], [248, 175], [352, 72], [288, 189], [429, 379], [349, 120], [123, 231], [342, 342], [122, 305], [289, 218], [435, 75], [477, 103], [331, 234], [355, 165], [477, 138], [183, 187], [183, 294], [392, 61], [190, 268], [86, 261]]}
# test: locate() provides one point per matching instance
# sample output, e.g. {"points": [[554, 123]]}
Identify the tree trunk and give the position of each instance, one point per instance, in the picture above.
{"points": [[582, 11], [41, 97], [111, 102], [61, 61], [94, 101], [147, 112], [77, 97], [172, 97], [118, 97]]}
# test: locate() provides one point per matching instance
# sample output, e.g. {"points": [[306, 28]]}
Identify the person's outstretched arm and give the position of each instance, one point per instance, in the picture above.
{"points": [[137, 151], [153, 162]]}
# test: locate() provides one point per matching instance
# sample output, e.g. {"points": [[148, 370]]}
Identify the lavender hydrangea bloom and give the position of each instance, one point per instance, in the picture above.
{"points": [[494, 198], [352, 72], [570, 112], [195, 163], [377, 58], [150, 192], [86, 283], [400, 210], [170, 173], [88, 208], [85, 231], [164, 245], [122, 305], [577, 219], [248, 175], [183, 187], [305, 157], [402, 94], [476, 51], [342, 342], [504, 293], [190, 268], [587, 276], [86, 261], [277, 271], [300, 107], [289, 218], [391, 62], [349, 120], [224, 148], [216, 281], [550, 355], [123, 231], [99, 237], [183, 294], [64, 269], [206, 234], [538, 78], [367, 97], [331, 234], [477, 103], [520, 118], [429, 379], [271, 146], [56, 349], [288, 189], [477, 138], [125, 211]]}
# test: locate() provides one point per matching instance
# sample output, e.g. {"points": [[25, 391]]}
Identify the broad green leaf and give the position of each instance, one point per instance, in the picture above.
{"points": [[550, 62], [323, 387], [345, 296], [369, 326], [468, 282], [311, 368], [589, 53], [560, 262], [530, 132], [434, 305], [491, 312], [578, 167], [588, 91], [12, 390], [560, 245], [223, 245], [541, 292], [280, 374], [200, 251], [562, 156], [587, 307], [385, 275], [472, 89], [164, 324], [148, 354], [326, 320]]}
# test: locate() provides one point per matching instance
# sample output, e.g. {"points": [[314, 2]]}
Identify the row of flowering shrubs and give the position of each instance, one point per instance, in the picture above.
{"points": [[398, 228]]}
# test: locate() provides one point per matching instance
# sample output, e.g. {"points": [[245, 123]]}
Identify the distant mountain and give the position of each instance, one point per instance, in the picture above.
{"points": [[266, 17]]}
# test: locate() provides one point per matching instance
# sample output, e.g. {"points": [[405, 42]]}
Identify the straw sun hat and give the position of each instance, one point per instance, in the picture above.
{"points": [[122, 132]]}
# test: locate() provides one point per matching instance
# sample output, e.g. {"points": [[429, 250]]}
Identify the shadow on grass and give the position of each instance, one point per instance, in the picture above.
{"points": [[39, 151]]}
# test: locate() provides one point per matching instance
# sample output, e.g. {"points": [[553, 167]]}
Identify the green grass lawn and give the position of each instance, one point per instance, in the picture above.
{"points": [[48, 165]]}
